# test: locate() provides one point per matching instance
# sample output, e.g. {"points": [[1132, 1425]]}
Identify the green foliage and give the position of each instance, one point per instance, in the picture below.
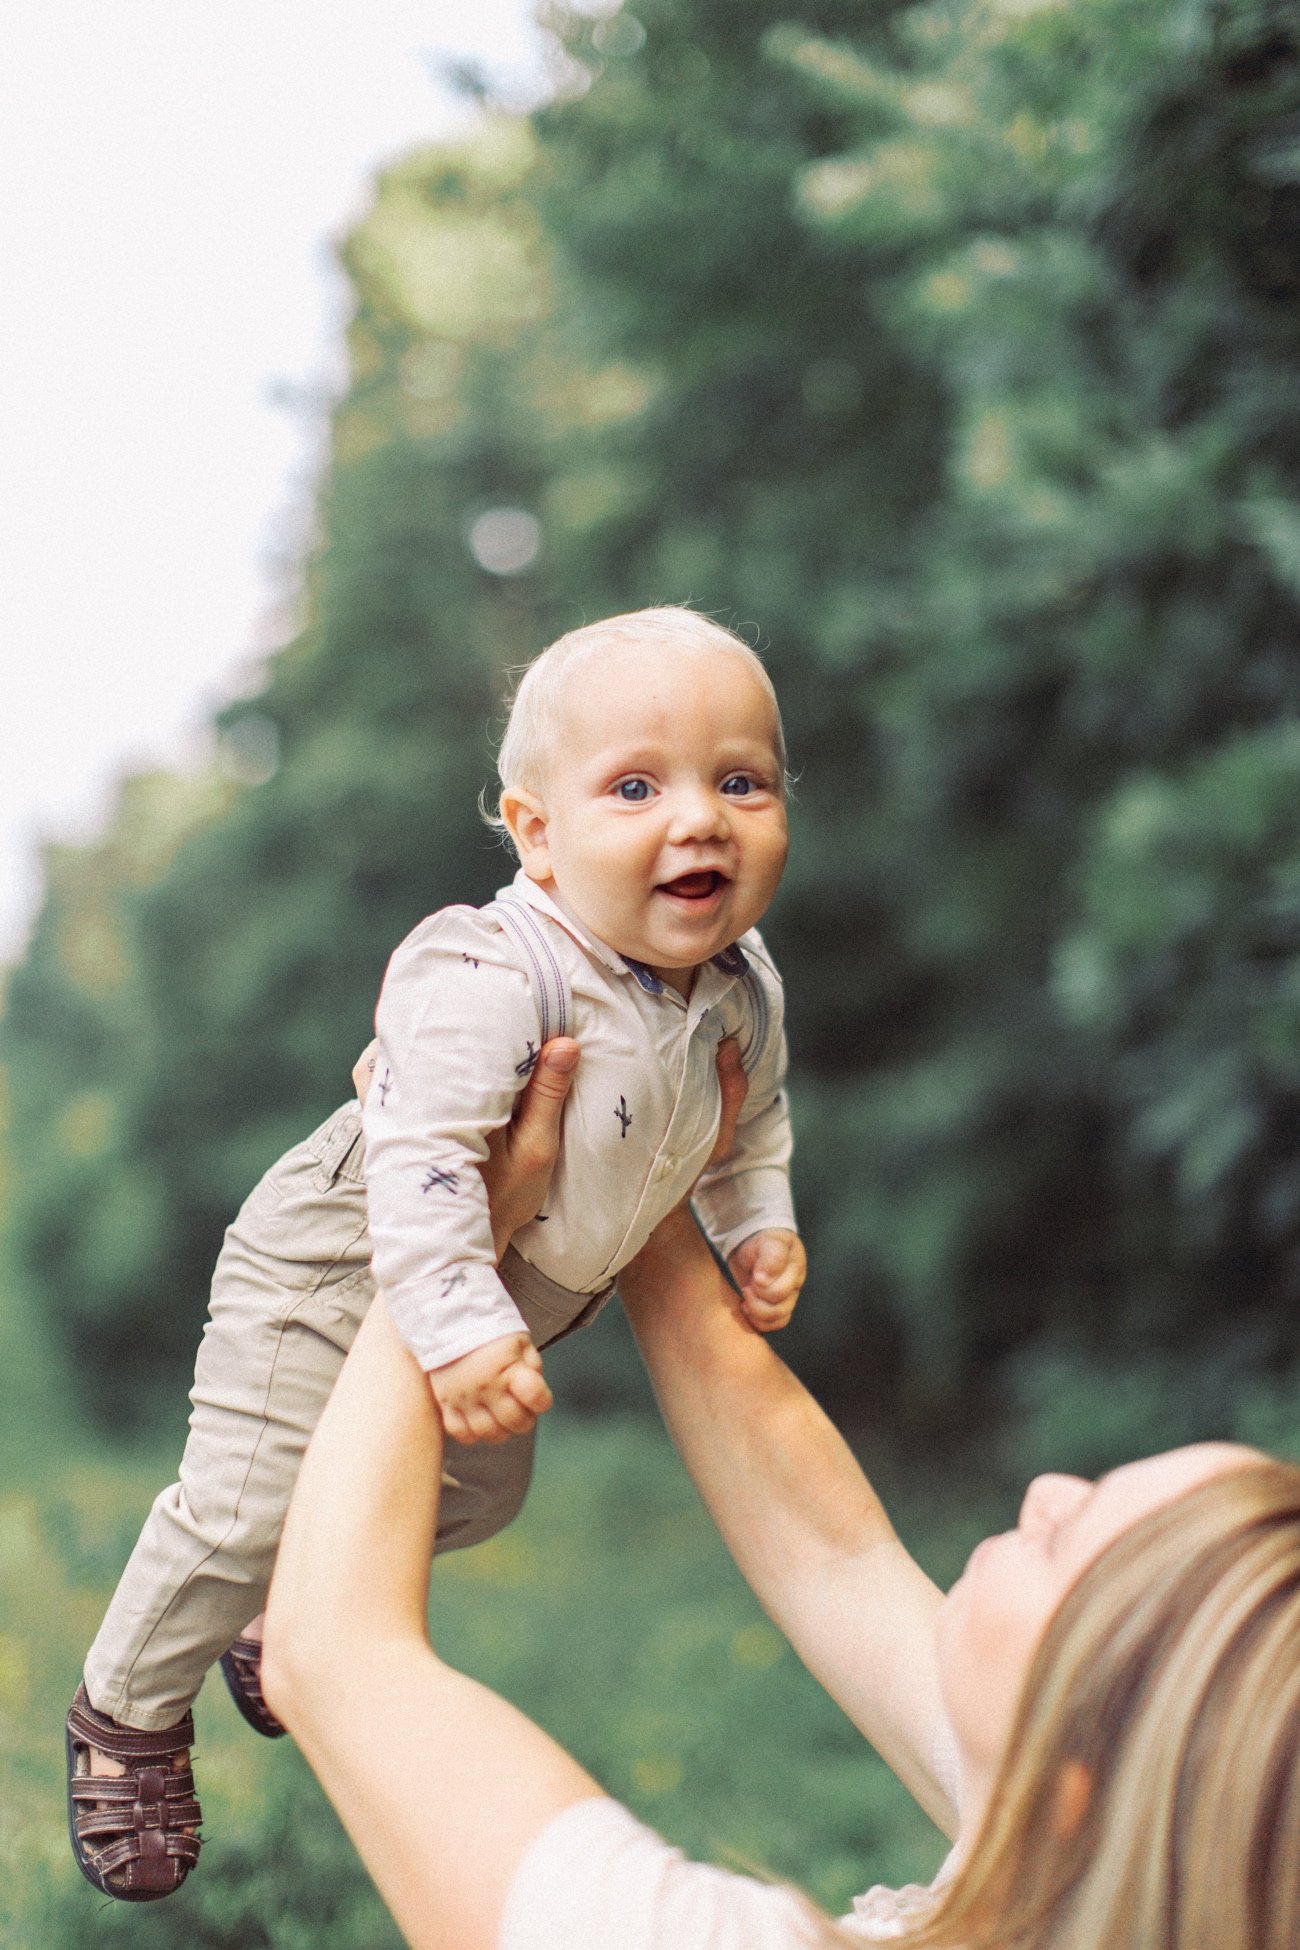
{"points": [[953, 347], [1075, 1410]]}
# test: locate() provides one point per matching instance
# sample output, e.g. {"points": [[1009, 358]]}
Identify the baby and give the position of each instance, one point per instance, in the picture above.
{"points": [[642, 776]]}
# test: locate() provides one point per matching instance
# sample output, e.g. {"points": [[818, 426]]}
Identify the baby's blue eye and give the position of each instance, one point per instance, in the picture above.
{"points": [[632, 790], [738, 786]]}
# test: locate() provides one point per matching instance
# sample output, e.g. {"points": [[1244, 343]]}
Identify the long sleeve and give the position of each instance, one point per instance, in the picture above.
{"points": [[749, 1190], [457, 1028]]}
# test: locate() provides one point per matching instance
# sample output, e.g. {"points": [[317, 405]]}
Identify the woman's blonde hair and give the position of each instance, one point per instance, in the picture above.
{"points": [[1150, 1794], [533, 728]]}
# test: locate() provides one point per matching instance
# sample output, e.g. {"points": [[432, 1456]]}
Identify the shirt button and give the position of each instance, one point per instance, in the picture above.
{"points": [[665, 1167]]}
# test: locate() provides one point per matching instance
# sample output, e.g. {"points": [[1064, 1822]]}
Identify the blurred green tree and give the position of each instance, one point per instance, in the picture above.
{"points": [[1087, 221]]}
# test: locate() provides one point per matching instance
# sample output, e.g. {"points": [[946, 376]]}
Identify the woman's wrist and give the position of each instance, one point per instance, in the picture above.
{"points": [[668, 1268]]}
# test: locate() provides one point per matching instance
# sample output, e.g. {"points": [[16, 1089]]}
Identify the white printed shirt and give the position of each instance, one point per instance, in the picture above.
{"points": [[457, 1025]]}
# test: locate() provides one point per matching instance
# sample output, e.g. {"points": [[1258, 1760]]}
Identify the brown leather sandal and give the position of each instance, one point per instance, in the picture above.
{"points": [[131, 1832], [241, 1669]]}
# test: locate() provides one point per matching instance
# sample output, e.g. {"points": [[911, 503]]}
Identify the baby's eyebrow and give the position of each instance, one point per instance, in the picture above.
{"points": [[614, 754]]}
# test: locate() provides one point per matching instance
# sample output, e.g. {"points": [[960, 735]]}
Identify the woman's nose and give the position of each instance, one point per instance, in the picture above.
{"points": [[1049, 1500]]}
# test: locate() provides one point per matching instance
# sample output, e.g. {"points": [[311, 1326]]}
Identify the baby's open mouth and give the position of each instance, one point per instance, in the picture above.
{"points": [[694, 886]]}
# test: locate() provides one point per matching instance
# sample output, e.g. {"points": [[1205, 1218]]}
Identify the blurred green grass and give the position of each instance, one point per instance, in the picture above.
{"points": [[610, 1611]]}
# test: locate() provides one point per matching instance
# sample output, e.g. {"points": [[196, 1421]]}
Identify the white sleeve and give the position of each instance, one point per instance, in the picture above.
{"points": [[750, 1189], [596, 1879], [457, 1029]]}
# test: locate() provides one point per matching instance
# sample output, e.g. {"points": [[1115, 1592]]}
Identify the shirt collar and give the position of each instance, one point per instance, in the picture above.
{"points": [[732, 961]]}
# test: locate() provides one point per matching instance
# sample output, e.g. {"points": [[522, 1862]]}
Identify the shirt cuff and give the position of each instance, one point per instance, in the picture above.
{"points": [[733, 1208], [453, 1312]]}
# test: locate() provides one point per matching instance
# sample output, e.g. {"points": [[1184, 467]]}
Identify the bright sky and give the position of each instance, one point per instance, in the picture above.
{"points": [[171, 175]]}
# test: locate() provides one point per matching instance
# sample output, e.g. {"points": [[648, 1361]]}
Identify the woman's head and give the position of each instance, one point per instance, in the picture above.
{"points": [[994, 1618], [1149, 1791]]}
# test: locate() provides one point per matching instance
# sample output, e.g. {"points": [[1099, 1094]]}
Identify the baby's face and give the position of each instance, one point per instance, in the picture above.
{"points": [[662, 821]]}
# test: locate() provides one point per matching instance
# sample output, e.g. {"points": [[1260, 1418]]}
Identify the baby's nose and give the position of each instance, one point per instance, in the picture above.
{"points": [[697, 813]]}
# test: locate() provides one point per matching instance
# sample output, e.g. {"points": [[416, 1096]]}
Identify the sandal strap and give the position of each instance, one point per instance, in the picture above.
{"points": [[241, 1667], [105, 1789], [131, 1745], [162, 1849], [111, 1821]]}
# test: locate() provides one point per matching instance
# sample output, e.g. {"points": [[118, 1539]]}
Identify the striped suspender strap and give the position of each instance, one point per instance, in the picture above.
{"points": [[760, 1022], [757, 1033], [545, 976], [551, 991]]}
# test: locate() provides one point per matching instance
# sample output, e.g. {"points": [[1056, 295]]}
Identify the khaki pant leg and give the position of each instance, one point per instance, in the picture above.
{"points": [[291, 1286], [291, 1283]]}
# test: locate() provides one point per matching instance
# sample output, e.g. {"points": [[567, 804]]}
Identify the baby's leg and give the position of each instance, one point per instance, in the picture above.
{"points": [[199, 1572], [483, 1489], [291, 1285]]}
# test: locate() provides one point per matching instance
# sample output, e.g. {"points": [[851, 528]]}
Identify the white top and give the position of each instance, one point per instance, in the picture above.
{"points": [[458, 1025], [597, 1879]]}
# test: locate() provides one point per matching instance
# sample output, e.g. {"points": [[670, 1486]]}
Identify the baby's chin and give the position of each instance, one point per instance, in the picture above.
{"points": [[690, 932]]}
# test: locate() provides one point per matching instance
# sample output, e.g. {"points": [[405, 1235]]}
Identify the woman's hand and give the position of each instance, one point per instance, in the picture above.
{"points": [[521, 1155], [734, 1085]]}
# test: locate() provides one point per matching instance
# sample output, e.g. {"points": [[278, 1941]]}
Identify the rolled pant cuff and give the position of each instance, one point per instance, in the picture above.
{"points": [[146, 1719]]}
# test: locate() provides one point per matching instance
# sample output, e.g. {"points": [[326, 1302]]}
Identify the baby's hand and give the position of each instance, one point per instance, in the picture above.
{"points": [[769, 1268], [493, 1392]]}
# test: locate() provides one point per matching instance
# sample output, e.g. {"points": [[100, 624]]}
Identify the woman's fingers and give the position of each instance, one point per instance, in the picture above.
{"points": [[363, 1070], [734, 1086], [535, 1129], [521, 1157]]}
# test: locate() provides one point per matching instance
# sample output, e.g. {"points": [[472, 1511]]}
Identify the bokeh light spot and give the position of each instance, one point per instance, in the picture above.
{"points": [[505, 541]]}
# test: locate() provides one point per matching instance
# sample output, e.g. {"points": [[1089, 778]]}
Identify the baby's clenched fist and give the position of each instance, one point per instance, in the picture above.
{"points": [[769, 1268], [493, 1392]]}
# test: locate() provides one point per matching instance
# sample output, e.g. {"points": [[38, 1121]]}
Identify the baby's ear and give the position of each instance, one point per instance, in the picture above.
{"points": [[526, 822]]}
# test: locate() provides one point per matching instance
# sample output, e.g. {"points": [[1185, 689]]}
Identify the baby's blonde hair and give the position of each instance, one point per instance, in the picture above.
{"points": [[533, 725]]}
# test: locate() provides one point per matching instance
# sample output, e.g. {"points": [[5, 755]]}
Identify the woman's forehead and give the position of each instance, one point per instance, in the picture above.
{"points": [[1134, 1489]]}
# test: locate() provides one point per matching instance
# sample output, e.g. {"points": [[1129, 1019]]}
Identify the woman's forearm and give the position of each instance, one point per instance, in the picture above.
{"points": [[799, 1516], [442, 1785]]}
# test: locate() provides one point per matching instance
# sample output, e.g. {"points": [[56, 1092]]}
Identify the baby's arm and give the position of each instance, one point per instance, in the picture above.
{"points": [[457, 1031], [743, 1198]]}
